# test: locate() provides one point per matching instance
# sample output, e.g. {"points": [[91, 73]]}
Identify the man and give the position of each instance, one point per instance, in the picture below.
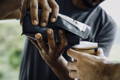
{"points": [[103, 30]]}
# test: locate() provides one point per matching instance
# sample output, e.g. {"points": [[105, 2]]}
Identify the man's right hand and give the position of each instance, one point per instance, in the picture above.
{"points": [[51, 52], [48, 7]]}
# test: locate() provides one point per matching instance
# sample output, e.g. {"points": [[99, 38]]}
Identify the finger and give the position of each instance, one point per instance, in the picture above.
{"points": [[100, 52], [45, 17], [23, 9], [34, 11], [51, 41], [82, 58], [72, 53], [73, 74], [55, 10], [38, 36], [72, 65], [63, 40], [46, 10], [40, 43]]}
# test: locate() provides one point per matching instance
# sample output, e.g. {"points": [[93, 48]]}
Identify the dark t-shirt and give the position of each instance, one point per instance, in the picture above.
{"points": [[103, 31]]}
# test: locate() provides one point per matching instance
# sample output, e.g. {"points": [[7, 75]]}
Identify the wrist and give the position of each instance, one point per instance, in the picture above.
{"points": [[109, 71], [58, 66], [60, 70]]}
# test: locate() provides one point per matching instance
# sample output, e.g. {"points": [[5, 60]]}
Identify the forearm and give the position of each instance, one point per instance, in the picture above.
{"points": [[9, 6], [14, 15]]}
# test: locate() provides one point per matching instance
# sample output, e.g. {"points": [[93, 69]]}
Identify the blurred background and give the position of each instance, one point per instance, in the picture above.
{"points": [[12, 43], [112, 8]]}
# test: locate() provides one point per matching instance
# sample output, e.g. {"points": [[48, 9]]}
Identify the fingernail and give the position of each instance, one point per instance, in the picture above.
{"points": [[38, 36], [35, 22], [43, 24], [49, 31], [53, 20]]}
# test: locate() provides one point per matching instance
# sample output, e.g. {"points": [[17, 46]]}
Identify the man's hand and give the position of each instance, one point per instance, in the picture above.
{"points": [[51, 53], [86, 66], [48, 7], [50, 50]]}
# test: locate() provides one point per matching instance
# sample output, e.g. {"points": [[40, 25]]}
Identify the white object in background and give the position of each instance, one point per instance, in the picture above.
{"points": [[81, 26], [86, 45]]}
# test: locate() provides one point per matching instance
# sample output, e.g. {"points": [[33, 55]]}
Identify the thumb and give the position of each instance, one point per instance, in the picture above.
{"points": [[100, 52], [72, 53]]}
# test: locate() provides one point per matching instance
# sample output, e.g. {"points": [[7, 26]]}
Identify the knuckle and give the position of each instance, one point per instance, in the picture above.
{"points": [[55, 6], [34, 7], [34, 14], [34, 17], [48, 9], [49, 31], [44, 19]]}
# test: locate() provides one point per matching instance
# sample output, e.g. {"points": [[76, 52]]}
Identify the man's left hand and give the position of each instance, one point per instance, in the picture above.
{"points": [[86, 66]]}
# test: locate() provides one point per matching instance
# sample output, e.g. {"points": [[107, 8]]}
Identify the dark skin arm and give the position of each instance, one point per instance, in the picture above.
{"points": [[13, 15], [7, 7]]}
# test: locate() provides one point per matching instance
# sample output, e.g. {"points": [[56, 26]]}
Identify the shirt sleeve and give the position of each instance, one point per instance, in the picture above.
{"points": [[106, 34]]}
